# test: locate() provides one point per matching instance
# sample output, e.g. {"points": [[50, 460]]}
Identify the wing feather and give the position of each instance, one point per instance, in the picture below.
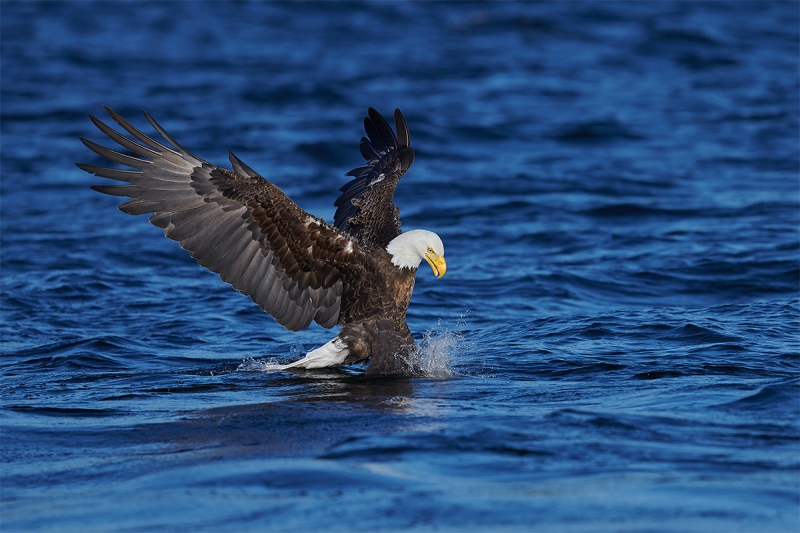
{"points": [[168, 137], [237, 224], [283, 307], [122, 140], [193, 223], [249, 271], [164, 152], [387, 136], [141, 207], [269, 291], [374, 136], [403, 138], [265, 268], [240, 168], [368, 151], [230, 254], [226, 251], [207, 246], [240, 265], [111, 155], [366, 209]]}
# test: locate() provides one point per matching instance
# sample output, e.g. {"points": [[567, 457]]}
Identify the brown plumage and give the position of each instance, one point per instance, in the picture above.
{"points": [[296, 267]]}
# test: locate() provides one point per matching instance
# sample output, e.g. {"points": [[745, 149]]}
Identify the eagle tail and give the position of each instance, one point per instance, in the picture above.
{"points": [[331, 354]]}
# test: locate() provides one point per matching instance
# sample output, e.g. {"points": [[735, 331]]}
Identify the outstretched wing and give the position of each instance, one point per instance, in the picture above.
{"points": [[237, 224], [366, 207]]}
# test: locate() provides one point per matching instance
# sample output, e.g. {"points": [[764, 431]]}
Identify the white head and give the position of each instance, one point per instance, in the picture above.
{"points": [[410, 248]]}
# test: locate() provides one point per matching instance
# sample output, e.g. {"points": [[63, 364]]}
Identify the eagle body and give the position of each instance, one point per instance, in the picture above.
{"points": [[357, 273]]}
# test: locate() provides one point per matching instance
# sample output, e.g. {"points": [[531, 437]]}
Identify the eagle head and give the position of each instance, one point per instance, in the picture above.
{"points": [[410, 248]]}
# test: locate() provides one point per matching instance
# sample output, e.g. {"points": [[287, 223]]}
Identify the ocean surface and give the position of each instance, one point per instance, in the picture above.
{"points": [[615, 346]]}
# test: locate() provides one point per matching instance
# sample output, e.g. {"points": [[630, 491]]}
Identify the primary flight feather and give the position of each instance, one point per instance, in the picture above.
{"points": [[357, 273]]}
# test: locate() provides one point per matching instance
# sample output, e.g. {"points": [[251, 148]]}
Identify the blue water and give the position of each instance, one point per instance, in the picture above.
{"points": [[616, 339]]}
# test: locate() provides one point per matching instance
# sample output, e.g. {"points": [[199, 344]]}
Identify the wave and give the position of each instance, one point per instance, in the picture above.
{"points": [[99, 353], [595, 132], [779, 397], [66, 412], [637, 210]]}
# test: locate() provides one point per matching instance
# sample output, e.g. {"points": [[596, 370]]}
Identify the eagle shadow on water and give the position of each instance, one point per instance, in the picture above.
{"points": [[357, 273]]}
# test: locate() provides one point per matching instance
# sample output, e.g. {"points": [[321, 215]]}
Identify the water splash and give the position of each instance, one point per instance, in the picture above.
{"points": [[439, 348], [251, 364], [267, 364]]}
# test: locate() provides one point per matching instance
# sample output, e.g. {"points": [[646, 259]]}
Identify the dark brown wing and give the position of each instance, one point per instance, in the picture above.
{"points": [[366, 207], [237, 224]]}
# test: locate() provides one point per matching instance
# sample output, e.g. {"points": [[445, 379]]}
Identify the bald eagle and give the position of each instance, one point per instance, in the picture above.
{"points": [[357, 273]]}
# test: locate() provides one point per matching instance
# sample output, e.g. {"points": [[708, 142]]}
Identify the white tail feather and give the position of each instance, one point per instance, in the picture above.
{"points": [[328, 355]]}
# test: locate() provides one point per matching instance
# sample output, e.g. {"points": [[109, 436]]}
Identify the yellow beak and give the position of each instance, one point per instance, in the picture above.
{"points": [[437, 263]]}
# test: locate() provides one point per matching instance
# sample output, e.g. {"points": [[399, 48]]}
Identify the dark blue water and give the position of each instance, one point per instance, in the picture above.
{"points": [[616, 339]]}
